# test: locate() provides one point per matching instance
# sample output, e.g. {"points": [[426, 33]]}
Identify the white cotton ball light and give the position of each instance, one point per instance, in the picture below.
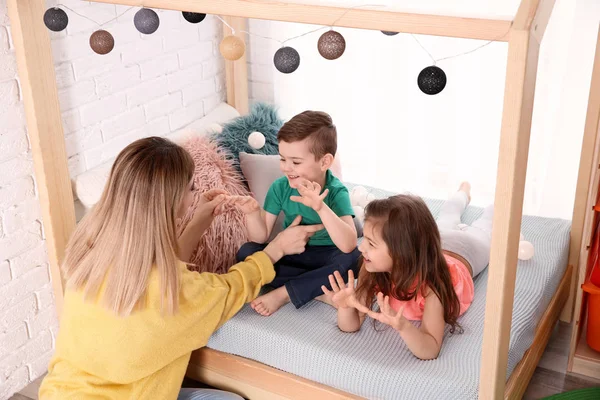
{"points": [[370, 198], [217, 128], [526, 250], [359, 213], [256, 140]]}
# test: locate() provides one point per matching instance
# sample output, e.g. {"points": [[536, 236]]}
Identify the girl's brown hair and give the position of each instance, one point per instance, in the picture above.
{"points": [[413, 240], [131, 230]]}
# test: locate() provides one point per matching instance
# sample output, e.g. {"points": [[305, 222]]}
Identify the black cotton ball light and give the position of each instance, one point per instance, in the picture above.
{"points": [[55, 19], [331, 45], [146, 21], [192, 17], [389, 33], [432, 80], [286, 60]]}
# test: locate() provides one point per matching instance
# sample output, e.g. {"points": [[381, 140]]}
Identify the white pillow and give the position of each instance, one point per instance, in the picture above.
{"points": [[262, 170]]}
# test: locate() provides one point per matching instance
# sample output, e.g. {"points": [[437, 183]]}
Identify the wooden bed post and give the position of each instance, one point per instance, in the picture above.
{"points": [[236, 72], [44, 126], [523, 52]]}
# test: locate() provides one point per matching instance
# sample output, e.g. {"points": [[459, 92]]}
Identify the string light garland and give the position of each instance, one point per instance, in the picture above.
{"points": [[101, 41], [331, 45], [432, 79]]}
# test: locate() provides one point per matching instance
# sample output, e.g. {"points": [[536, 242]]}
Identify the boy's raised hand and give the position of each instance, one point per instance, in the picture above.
{"points": [[310, 195]]}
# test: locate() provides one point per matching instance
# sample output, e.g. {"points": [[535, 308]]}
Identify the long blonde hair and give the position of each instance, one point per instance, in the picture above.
{"points": [[132, 228]]}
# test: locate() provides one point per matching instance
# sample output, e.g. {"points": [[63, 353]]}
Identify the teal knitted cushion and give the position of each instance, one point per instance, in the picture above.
{"points": [[234, 137]]}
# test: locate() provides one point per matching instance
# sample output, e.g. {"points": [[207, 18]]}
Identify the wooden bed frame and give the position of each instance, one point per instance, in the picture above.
{"points": [[523, 34]]}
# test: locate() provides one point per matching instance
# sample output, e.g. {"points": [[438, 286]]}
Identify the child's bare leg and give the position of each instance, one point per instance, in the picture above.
{"points": [[270, 302], [324, 299]]}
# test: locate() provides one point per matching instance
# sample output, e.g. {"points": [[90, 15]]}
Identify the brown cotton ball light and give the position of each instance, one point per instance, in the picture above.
{"points": [[102, 42], [232, 47], [331, 45]]}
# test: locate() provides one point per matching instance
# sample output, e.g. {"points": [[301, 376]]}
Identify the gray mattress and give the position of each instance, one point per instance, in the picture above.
{"points": [[377, 364]]}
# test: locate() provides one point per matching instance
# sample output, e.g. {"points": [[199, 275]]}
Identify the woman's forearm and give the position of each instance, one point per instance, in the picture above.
{"points": [[188, 240], [274, 251]]}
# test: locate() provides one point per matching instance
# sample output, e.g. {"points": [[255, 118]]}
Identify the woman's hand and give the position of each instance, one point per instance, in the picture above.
{"points": [[291, 240], [203, 217], [343, 295], [310, 195], [208, 205], [387, 315]]}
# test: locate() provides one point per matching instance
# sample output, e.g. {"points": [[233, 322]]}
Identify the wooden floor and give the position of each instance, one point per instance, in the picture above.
{"points": [[549, 377]]}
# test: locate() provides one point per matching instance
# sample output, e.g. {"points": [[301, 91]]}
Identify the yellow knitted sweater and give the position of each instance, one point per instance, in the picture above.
{"points": [[145, 355]]}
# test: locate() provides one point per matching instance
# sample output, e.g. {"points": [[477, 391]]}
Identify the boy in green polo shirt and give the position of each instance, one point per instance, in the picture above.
{"points": [[307, 146]]}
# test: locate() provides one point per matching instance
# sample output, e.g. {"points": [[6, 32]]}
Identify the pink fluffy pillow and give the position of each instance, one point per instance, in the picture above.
{"points": [[218, 245]]}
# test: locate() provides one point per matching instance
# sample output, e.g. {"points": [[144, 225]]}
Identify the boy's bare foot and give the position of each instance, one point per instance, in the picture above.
{"points": [[268, 303], [466, 187], [325, 299]]}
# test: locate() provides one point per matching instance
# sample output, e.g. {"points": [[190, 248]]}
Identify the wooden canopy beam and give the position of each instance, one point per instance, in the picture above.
{"points": [[363, 18]]}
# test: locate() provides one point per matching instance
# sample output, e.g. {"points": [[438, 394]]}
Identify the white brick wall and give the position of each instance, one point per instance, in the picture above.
{"points": [[148, 85]]}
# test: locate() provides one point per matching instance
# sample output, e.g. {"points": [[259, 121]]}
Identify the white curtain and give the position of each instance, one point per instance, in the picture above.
{"points": [[393, 136]]}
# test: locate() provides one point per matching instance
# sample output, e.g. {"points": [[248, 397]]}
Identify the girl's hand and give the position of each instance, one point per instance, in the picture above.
{"points": [[387, 315], [246, 204], [310, 195], [343, 295]]}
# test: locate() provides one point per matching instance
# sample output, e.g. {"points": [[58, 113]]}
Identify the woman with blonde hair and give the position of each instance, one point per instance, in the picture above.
{"points": [[132, 311]]}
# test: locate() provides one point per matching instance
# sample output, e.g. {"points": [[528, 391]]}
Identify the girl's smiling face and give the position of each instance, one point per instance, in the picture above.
{"points": [[374, 250]]}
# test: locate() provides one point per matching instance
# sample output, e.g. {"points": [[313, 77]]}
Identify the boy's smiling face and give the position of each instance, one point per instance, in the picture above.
{"points": [[297, 162]]}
